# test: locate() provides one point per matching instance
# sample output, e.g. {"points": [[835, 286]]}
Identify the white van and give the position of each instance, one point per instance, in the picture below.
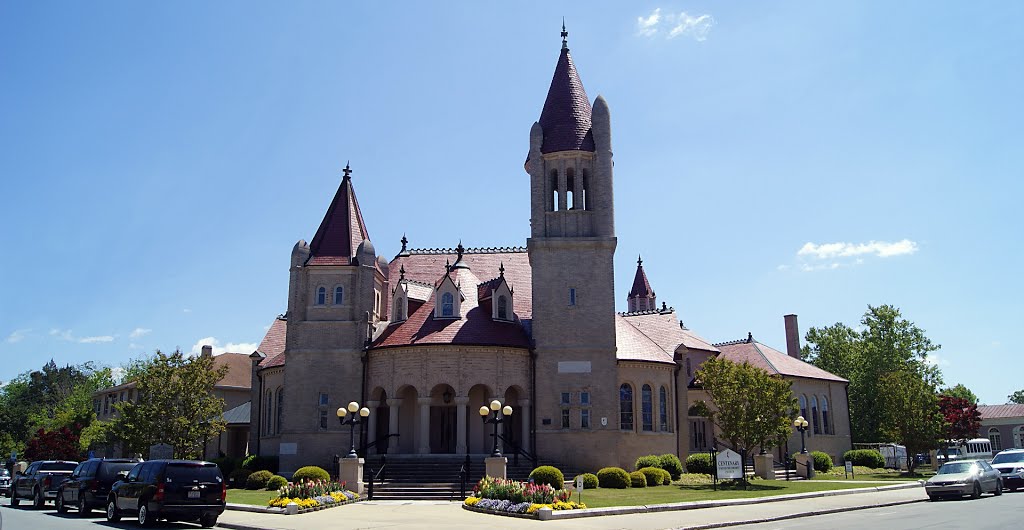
{"points": [[977, 448]]}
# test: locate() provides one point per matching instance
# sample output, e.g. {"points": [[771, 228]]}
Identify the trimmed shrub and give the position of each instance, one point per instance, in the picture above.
{"points": [[589, 481], [637, 480], [865, 457], [257, 480], [613, 477], [549, 475], [259, 463], [700, 463], [652, 475], [647, 461], [670, 462], [226, 464], [310, 472], [822, 461], [666, 478], [238, 477], [276, 482]]}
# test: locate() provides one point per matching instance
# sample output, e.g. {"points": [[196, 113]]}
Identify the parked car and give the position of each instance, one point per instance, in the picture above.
{"points": [[964, 477], [1010, 464], [173, 490], [89, 484], [5, 482], [40, 481]]}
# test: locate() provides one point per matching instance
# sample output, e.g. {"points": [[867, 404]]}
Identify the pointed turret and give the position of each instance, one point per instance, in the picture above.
{"points": [[641, 296], [567, 112], [342, 230]]}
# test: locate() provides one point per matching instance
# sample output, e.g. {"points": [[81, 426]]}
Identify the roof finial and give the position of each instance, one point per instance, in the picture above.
{"points": [[565, 44], [459, 250], [404, 242], [501, 269], [639, 260], [447, 265], [401, 273], [750, 337], [347, 170]]}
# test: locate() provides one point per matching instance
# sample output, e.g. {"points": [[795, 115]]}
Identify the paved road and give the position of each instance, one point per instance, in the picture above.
{"points": [[987, 512], [27, 518]]}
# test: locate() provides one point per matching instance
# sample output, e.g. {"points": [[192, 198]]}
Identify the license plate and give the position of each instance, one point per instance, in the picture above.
{"points": [[194, 494]]}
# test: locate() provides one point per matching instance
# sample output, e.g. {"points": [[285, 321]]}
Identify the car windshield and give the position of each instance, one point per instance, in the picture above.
{"points": [[1008, 457], [956, 467], [58, 466], [110, 471], [193, 473]]}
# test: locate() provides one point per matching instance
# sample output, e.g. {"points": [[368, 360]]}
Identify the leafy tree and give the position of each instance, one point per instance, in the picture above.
{"points": [[1016, 397], [960, 391], [751, 407], [962, 419], [910, 413], [59, 444], [887, 344], [175, 405]]}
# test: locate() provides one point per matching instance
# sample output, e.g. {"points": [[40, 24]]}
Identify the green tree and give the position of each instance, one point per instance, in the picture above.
{"points": [[175, 405], [910, 413], [960, 391], [750, 407], [887, 343], [1016, 397]]}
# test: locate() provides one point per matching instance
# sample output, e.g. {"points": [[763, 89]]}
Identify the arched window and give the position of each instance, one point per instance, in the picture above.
{"points": [[816, 427], [584, 191], [1018, 437], [663, 410], [803, 407], [399, 304], [447, 305], [503, 308], [570, 198], [268, 413], [339, 295], [995, 439], [280, 410], [689, 369], [554, 191], [321, 295], [647, 408], [626, 407], [826, 424]]}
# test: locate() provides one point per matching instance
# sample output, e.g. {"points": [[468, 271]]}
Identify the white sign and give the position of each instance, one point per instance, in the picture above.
{"points": [[161, 451], [604, 422], [579, 484], [730, 464], [849, 466]]}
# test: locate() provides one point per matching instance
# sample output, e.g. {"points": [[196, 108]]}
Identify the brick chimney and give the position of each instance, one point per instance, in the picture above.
{"points": [[207, 350], [792, 336]]}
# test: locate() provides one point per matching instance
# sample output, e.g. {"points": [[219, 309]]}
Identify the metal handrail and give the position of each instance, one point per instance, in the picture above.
{"points": [[362, 449], [375, 477], [518, 450]]}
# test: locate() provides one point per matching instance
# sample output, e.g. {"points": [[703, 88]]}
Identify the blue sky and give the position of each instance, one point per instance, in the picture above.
{"points": [[159, 160]]}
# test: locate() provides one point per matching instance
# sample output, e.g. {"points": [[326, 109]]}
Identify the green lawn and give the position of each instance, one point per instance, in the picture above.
{"points": [[257, 497], [868, 474], [701, 492]]}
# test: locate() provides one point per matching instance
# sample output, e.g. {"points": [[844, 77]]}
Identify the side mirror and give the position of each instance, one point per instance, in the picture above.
{"points": [[122, 475]]}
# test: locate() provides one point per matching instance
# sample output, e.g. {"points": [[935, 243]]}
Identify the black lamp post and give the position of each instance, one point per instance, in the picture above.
{"points": [[801, 425], [497, 415], [352, 421]]}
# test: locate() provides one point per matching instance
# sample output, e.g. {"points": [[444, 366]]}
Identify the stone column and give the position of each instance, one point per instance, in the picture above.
{"points": [[393, 410], [424, 438], [764, 466], [351, 473], [524, 408], [494, 466], [805, 465], [460, 424], [371, 422]]}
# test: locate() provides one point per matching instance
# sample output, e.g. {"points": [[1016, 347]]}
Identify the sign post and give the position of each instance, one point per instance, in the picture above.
{"points": [[729, 464], [849, 469], [579, 488]]}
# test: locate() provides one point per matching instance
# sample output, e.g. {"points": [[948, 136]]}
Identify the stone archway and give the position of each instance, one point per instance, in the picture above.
{"points": [[513, 426], [478, 436], [379, 425], [443, 421], [407, 419]]}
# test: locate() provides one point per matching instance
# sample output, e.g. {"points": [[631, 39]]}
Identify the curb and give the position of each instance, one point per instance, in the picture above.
{"points": [[252, 508], [799, 515]]}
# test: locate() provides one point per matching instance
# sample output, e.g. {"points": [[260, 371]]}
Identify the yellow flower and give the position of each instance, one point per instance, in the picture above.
{"points": [[471, 501]]}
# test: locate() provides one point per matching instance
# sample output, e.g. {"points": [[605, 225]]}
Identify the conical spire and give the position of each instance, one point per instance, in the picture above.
{"points": [[566, 115], [641, 296], [342, 229]]}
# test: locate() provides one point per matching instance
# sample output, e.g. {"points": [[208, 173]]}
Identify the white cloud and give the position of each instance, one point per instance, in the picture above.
{"points": [[138, 332], [65, 334], [93, 340], [935, 360], [231, 347], [646, 26], [17, 335], [882, 249], [675, 25]]}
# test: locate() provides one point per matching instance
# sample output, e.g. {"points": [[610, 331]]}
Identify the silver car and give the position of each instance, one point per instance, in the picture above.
{"points": [[964, 477]]}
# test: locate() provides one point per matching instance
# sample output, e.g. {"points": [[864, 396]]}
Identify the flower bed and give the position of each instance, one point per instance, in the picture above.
{"points": [[311, 495], [510, 497]]}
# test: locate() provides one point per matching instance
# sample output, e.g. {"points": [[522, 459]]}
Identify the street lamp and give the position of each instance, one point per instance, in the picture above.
{"points": [[352, 421], [801, 425], [497, 414]]}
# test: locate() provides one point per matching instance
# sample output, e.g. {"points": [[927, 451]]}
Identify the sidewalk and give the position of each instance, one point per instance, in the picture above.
{"points": [[450, 515]]}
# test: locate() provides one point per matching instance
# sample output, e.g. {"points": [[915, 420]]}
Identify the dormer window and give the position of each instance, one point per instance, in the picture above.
{"points": [[502, 308], [321, 295], [339, 295], [447, 305], [399, 314]]}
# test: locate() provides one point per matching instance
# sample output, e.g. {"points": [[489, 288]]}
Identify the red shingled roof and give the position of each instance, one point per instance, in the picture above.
{"points": [[641, 287], [1010, 410], [566, 117], [342, 229], [239, 370], [772, 360], [664, 329], [273, 344], [633, 345]]}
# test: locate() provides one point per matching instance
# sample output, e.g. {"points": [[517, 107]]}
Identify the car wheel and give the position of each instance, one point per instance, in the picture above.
{"points": [[145, 518], [83, 508], [208, 520], [14, 499], [112, 514], [977, 491], [38, 500], [999, 488], [60, 503], [933, 498]]}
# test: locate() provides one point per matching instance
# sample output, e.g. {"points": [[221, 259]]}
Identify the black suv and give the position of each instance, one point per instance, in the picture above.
{"points": [[173, 490], [89, 484]]}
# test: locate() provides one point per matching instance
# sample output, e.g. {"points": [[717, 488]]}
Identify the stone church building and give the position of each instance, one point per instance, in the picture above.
{"points": [[426, 338]]}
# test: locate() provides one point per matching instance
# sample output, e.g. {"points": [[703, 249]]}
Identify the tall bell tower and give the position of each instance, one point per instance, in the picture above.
{"points": [[572, 249]]}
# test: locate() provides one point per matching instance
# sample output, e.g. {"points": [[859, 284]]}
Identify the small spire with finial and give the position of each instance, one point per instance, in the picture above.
{"points": [[447, 265], [565, 34], [404, 242], [639, 260], [401, 273], [750, 337], [459, 250], [501, 269], [347, 170]]}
